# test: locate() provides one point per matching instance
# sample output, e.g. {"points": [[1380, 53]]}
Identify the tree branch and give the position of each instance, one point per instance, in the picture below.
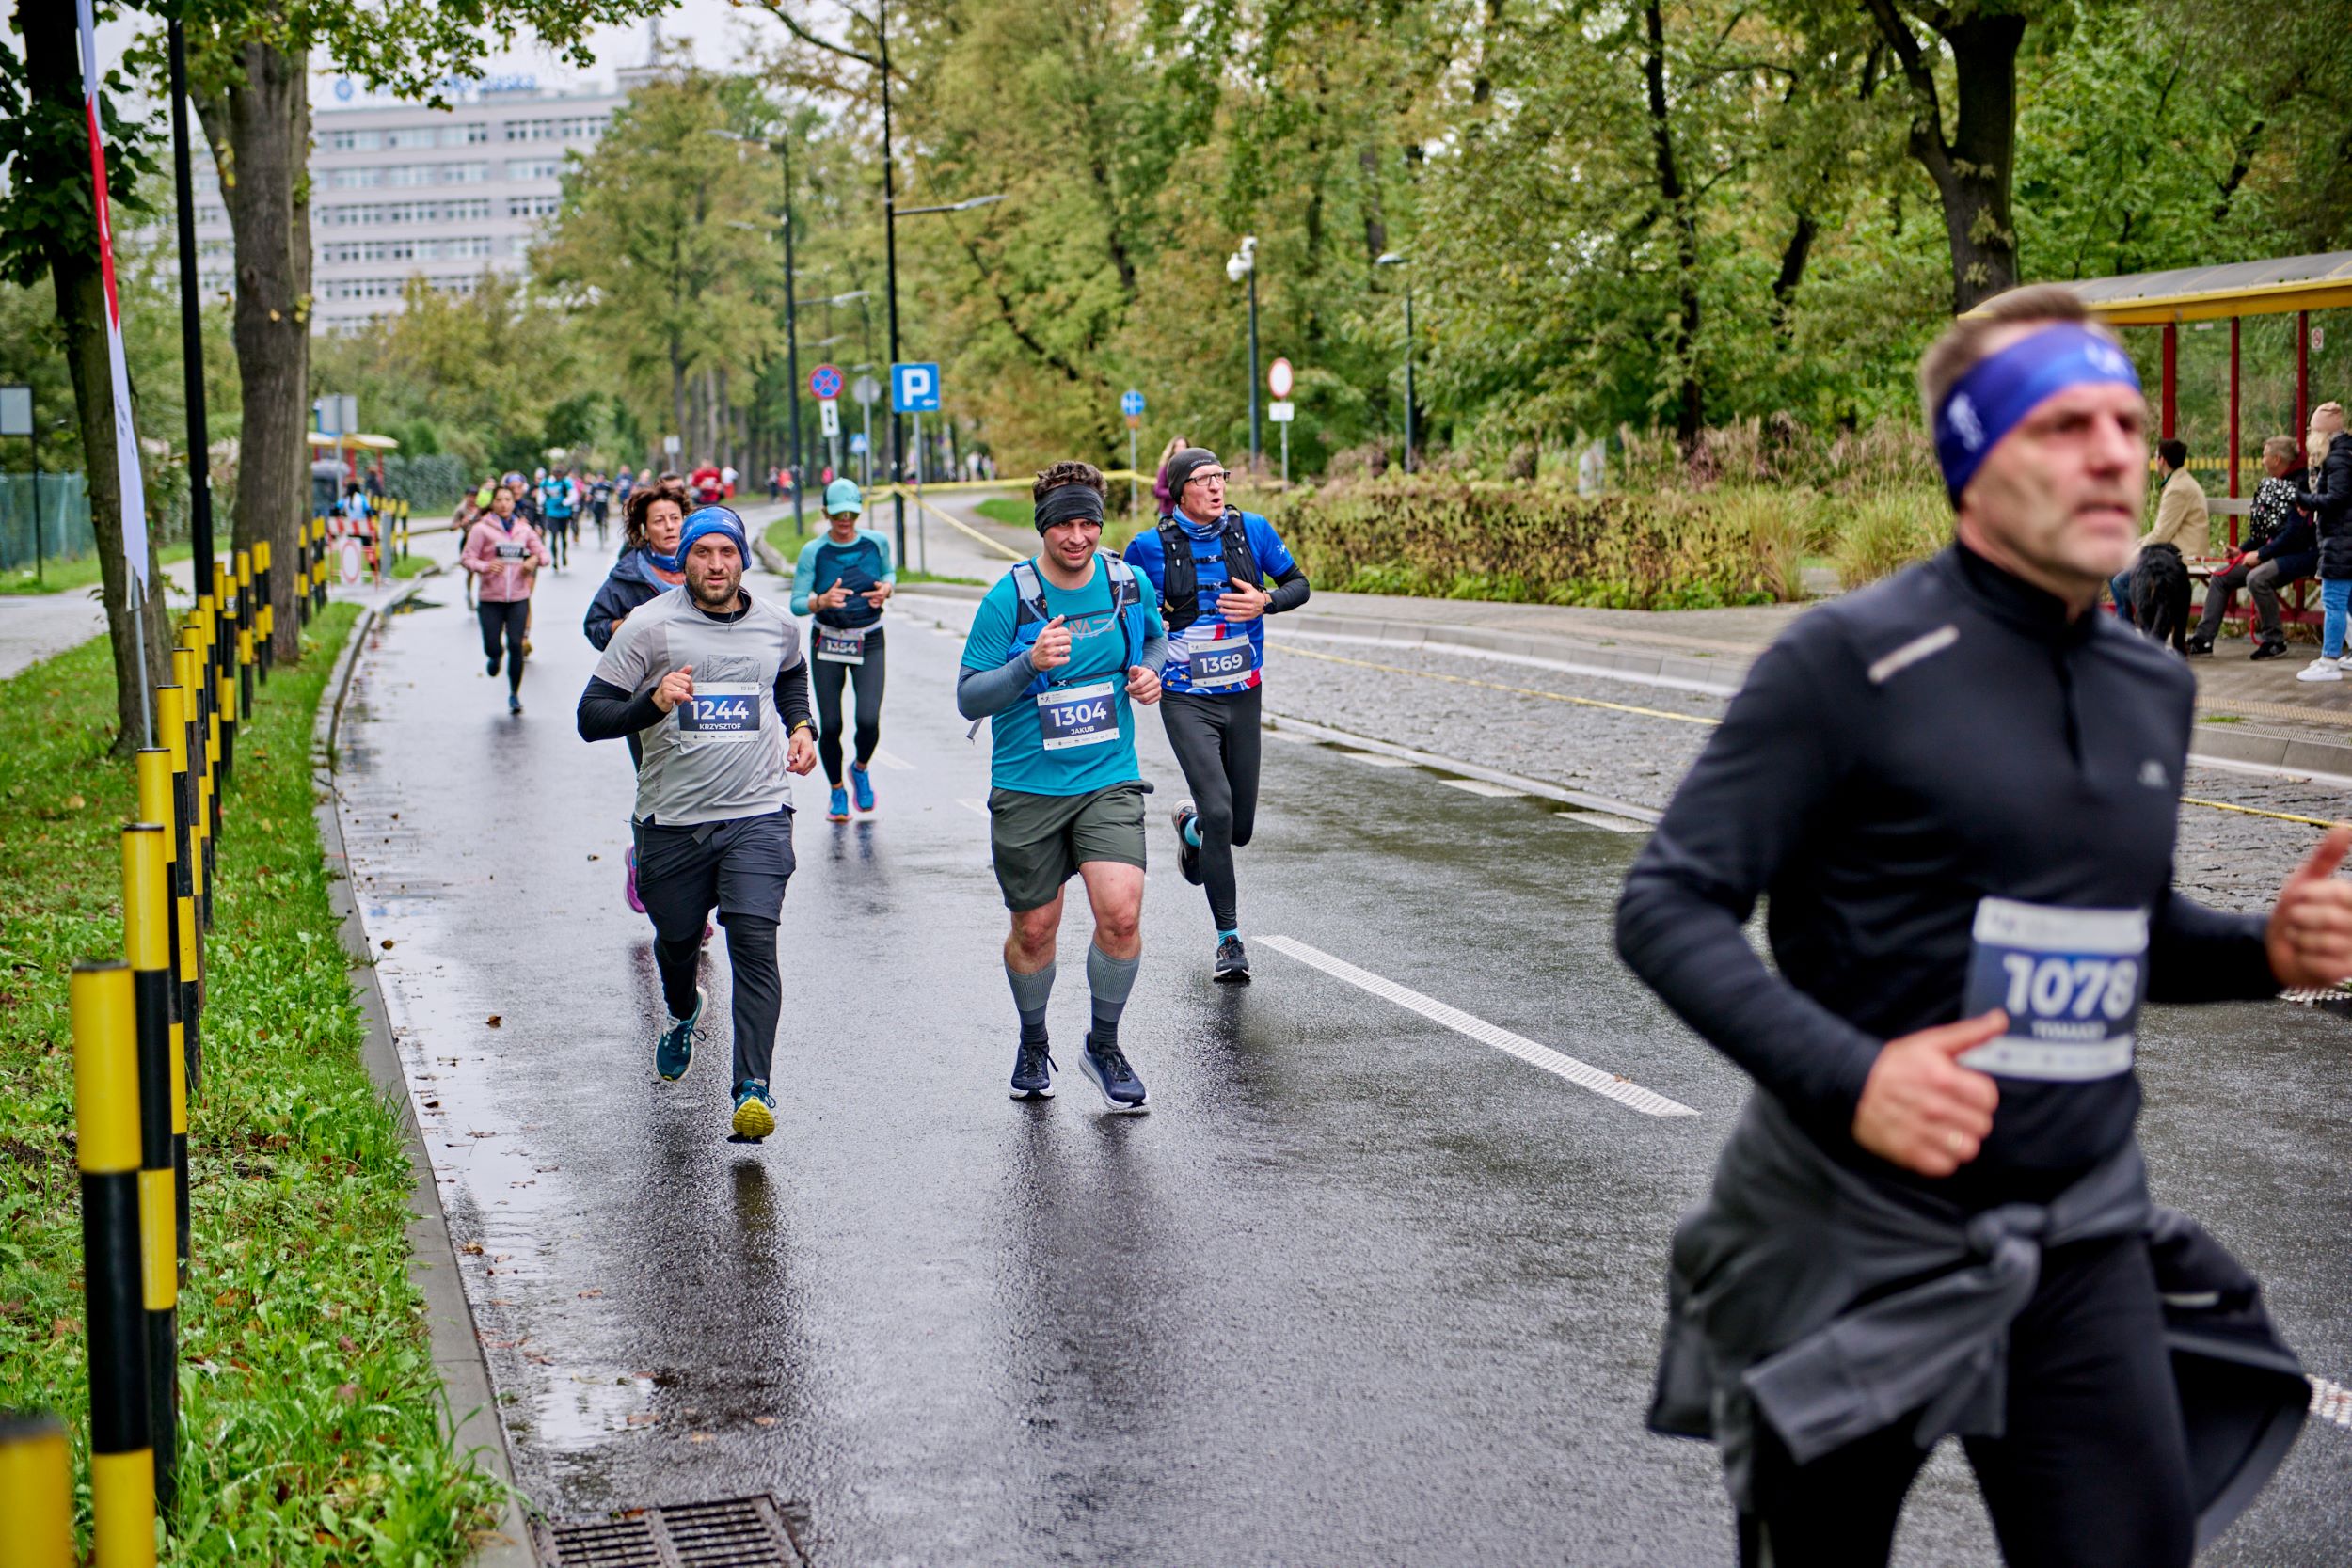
{"points": [[793, 25]]}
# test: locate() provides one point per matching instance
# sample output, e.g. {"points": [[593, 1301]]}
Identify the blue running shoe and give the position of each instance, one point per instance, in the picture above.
{"points": [[863, 783], [837, 810], [1122, 1091], [674, 1053], [1033, 1072], [755, 1110]]}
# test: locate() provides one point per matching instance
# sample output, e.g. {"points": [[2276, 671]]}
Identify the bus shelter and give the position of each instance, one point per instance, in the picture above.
{"points": [[2287, 285]]}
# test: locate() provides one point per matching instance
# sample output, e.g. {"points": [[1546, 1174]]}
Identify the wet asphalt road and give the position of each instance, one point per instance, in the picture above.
{"points": [[1361, 1289]]}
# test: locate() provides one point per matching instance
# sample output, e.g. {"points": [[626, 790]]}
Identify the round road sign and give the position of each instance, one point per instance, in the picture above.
{"points": [[867, 389], [1278, 378], [825, 383], [1131, 403]]}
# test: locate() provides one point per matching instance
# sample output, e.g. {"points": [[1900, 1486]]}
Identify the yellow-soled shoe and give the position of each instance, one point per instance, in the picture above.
{"points": [[754, 1110]]}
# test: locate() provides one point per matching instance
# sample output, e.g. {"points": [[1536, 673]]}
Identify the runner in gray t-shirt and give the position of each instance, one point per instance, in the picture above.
{"points": [[713, 684]]}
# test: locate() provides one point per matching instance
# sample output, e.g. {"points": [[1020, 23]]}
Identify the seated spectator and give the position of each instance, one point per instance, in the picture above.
{"points": [[2278, 548], [2180, 519]]}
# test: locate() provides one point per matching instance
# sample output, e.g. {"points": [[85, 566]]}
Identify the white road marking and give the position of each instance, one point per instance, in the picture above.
{"points": [[1566, 666], [1604, 820], [979, 808], [1372, 759], [891, 760], [1481, 786], [2331, 1401], [1467, 769], [1609, 1085]]}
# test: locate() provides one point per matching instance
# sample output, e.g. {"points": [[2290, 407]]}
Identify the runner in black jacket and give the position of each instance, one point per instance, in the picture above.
{"points": [[1957, 790]]}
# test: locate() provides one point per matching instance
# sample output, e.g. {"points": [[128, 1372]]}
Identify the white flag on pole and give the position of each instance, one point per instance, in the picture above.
{"points": [[126, 438]]}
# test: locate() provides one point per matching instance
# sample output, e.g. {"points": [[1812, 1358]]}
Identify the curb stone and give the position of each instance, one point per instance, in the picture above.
{"points": [[470, 1403]]}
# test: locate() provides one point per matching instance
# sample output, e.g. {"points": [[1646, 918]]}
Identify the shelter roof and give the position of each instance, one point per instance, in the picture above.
{"points": [[2231, 288]]}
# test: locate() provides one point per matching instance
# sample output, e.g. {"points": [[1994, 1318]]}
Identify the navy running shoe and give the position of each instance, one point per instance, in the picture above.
{"points": [[1232, 963], [1122, 1091], [1188, 852], [755, 1110], [674, 1051], [1033, 1072]]}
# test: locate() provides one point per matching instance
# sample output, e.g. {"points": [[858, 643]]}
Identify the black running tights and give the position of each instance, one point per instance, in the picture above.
{"points": [[511, 621], [826, 677], [1216, 740], [2093, 1472]]}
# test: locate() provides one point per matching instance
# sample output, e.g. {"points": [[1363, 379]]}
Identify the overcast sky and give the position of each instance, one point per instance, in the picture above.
{"points": [[713, 25]]}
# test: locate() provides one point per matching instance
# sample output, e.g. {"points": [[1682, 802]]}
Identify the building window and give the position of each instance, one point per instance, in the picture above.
{"points": [[465, 174], [468, 134], [354, 179], [412, 174], [534, 169], [353, 141], [533, 206], [422, 136]]}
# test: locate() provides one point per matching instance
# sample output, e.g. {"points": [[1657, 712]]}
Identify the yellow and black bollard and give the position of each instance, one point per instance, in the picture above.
{"points": [[318, 565], [247, 617], [35, 1491], [302, 573], [262, 613], [106, 1124], [224, 703], [186, 945], [157, 806], [147, 946]]}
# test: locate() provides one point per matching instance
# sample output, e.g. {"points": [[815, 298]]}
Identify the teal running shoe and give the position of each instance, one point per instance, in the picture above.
{"points": [[674, 1051], [863, 783], [755, 1110], [837, 810]]}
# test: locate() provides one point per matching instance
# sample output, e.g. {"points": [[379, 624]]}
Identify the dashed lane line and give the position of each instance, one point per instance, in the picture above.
{"points": [[893, 761], [978, 808], [1482, 786], [2331, 1401], [1531, 661], [1584, 799], [1609, 1085]]}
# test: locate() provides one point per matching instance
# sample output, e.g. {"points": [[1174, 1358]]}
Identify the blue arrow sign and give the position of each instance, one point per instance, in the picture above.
{"points": [[1131, 403], [915, 388]]}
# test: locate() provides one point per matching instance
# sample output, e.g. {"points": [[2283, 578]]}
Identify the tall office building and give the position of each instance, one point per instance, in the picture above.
{"points": [[400, 189]]}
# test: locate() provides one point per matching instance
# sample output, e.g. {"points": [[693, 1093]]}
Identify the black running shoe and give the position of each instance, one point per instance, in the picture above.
{"points": [[2269, 650], [1188, 852], [1033, 1072], [1232, 963], [1122, 1091]]}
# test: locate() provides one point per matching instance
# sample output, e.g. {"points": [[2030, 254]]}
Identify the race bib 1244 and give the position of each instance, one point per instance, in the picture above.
{"points": [[722, 711], [2070, 981]]}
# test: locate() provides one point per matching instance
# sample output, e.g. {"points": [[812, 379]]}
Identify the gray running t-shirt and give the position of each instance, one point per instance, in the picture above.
{"points": [[720, 755]]}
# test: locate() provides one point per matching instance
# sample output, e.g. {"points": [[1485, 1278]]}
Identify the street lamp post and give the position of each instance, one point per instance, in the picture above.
{"points": [[1393, 260], [782, 149], [1242, 266]]}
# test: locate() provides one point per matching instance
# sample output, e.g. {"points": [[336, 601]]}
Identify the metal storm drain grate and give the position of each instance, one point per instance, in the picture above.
{"points": [[740, 1532]]}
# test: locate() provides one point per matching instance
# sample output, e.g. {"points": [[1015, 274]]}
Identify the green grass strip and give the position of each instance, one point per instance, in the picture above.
{"points": [[310, 1430], [80, 572]]}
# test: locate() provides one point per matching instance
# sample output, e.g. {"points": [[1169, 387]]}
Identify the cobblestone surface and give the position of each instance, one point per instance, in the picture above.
{"points": [[1426, 700]]}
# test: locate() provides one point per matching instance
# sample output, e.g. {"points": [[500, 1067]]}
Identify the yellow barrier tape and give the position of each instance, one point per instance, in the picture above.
{"points": [[960, 526], [2250, 811]]}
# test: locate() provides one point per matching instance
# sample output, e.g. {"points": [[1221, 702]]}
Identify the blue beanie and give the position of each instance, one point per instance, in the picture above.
{"points": [[842, 495], [707, 521]]}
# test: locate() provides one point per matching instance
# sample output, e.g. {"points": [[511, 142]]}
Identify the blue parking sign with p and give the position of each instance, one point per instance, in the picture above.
{"points": [[915, 388]]}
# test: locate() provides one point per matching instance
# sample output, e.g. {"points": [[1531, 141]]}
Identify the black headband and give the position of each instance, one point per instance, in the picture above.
{"points": [[1069, 504]]}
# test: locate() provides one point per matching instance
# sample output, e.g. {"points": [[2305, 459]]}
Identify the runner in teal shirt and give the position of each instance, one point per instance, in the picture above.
{"points": [[1059, 653]]}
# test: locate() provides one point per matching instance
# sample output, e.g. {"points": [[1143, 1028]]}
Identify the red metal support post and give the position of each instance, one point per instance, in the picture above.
{"points": [[2170, 407], [2302, 372], [2234, 409]]}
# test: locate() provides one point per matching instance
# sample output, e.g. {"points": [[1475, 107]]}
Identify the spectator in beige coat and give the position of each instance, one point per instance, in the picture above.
{"points": [[2180, 519]]}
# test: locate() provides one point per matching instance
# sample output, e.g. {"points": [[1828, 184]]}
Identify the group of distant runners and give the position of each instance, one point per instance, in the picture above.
{"points": [[1957, 788]]}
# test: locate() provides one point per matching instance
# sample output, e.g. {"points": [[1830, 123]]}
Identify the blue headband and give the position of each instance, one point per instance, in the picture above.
{"points": [[705, 521], [1999, 390]]}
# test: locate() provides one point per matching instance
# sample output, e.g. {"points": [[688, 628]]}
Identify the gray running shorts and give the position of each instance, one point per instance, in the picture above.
{"points": [[1039, 841]]}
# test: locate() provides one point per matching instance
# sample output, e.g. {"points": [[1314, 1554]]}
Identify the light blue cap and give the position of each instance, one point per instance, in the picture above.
{"points": [[842, 495]]}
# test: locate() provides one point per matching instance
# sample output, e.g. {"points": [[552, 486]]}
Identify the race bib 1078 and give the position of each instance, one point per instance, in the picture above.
{"points": [[2070, 981]]}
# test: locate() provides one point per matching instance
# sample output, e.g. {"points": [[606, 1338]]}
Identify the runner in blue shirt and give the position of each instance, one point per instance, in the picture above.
{"points": [[1210, 566], [844, 577], [1060, 650], [559, 498]]}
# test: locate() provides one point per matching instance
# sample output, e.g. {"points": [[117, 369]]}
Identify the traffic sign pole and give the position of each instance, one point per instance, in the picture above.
{"points": [[1130, 467]]}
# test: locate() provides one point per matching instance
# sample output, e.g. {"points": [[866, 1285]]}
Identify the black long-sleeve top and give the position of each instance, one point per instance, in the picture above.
{"points": [[1897, 756]]}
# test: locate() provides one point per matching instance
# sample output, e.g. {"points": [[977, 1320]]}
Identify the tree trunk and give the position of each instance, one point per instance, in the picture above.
{"points": [[260, 130], [1972, 167], [1681, 342], [54, 70]]}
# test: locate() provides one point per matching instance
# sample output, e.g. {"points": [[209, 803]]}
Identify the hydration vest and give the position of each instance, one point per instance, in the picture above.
{"points": [[1179, 592], [1029, 591]]}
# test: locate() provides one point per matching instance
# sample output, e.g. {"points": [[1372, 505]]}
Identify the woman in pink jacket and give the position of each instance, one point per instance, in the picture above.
{"points": [[505, 552]]}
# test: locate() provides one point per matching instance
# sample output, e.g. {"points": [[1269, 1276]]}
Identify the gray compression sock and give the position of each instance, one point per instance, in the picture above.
{"points": [[1030, 992], [1110, 979]]}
